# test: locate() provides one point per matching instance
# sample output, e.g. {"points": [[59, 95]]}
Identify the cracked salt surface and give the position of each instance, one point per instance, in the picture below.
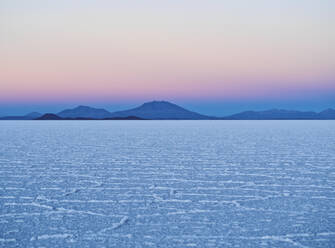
{"points": [[167, 184]]}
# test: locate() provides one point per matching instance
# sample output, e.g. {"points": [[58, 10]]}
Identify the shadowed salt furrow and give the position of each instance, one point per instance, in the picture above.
{"points": [[167, 184]]}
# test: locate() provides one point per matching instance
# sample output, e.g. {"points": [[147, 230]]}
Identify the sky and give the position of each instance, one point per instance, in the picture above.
{"points": [[216, 56]]}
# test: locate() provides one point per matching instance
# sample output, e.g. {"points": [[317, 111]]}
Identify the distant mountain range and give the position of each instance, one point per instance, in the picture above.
{"points": [[156, 110], [30, 116], [282, 114], [163, 110], [85, 112], [50, 116]]}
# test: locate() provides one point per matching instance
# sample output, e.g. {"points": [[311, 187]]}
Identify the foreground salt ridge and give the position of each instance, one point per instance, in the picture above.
{"points": [[203, 186]]}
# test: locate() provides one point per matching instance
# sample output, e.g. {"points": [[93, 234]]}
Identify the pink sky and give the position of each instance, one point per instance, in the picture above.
{"points": [[57, 50]]}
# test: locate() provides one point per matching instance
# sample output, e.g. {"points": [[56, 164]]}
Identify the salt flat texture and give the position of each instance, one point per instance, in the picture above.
{"points": [[167, 184]]}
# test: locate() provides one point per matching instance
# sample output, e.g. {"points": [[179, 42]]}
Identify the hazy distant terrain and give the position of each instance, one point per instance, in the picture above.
{"points": [[163, 110], [167, 184]]}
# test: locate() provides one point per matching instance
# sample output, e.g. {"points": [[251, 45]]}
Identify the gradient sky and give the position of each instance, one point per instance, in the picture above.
{"points": [[215, 56]]}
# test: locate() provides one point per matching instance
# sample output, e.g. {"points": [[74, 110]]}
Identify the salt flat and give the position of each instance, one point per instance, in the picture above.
{"points": [[167, 184]]}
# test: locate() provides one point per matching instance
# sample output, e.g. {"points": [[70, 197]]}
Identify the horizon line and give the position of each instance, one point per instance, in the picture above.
{"points": [[165, 101]]}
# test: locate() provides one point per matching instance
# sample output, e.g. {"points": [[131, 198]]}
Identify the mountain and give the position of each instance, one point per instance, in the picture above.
{"points": [[328, 114], [161, 110], [30, 116], [281, 114], [49, 116], [156, 110], [85, 112]]}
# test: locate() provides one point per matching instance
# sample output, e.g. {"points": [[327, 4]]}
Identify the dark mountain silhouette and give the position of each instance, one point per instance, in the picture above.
{"points": [[161, 110], [85, 112], [49, 116], [281, 114], [30, 116]]}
